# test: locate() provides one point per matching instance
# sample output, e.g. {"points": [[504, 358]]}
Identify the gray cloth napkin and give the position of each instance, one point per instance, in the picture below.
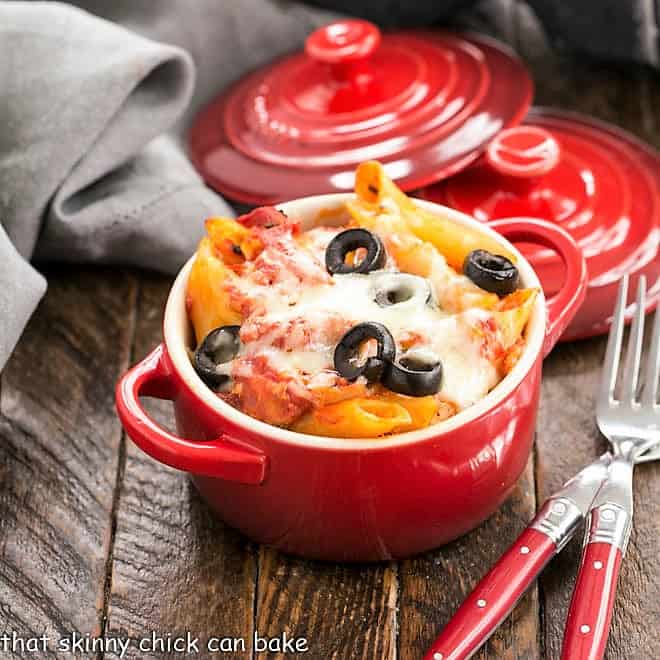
{"points": [[79, 98], [93, 107], [88, 170]]}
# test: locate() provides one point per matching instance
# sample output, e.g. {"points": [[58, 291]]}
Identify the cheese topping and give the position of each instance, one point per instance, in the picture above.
{"points": [[296, 325], [409, 283]]}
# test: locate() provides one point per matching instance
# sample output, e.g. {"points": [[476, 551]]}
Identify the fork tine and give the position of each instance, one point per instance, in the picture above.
{"points": [[613, 352], [634, 350], [653, 364]]}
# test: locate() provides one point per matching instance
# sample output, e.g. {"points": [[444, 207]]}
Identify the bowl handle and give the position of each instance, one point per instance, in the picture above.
{"points": [[224, 458], [563, 306]]}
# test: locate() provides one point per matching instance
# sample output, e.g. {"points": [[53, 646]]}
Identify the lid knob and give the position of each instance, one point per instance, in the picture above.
{"points": [[345, 46], [523, 152]]}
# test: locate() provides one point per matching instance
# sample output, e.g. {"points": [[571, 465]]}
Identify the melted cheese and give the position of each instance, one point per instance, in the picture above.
{"points": [[305, 324]]}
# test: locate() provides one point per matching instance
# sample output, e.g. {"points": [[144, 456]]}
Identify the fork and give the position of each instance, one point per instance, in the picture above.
{"points": [[603, 487], [632, 425]]}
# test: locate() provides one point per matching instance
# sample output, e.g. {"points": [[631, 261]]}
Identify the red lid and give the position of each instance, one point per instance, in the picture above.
{"points": [[598, 182], [424, 103], [523, 152]]}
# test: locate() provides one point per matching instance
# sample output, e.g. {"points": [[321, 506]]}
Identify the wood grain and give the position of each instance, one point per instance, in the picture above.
{"points": [[176, 567], [569, 440], [59, 438], [650, 101], [345, 611], [566, 442], [604, 90], [92, 528], [434, 585]]}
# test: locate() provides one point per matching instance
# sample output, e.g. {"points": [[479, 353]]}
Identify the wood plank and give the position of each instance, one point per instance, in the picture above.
{"points": [[608, 92], [175, 566], [650, 102], [567, 437], [434, 585], [343, 610], [59, 440], [566, 442]]}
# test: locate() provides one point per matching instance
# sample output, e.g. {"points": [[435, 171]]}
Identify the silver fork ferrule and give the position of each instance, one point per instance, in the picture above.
{"points": [[609, 523], [558, 518]]}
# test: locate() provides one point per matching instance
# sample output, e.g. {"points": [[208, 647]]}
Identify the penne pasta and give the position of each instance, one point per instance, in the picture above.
{"points": [[512, 315], [232, 242], [378, 194], [422, 410], [355, 418], [208, 300], [296, 299]]}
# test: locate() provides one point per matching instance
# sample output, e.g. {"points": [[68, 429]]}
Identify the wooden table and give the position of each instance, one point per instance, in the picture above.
{"points": [[97, 538]]}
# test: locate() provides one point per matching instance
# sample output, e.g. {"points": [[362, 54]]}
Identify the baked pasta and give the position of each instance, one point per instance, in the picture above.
{"points": [[394, 321]]}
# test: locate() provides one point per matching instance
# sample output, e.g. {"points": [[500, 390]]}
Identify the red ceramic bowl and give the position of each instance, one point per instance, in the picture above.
{"points": [[353, 500]]}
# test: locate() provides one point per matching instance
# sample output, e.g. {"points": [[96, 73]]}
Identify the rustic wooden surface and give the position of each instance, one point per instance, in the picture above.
{"points": [[97, 538]]}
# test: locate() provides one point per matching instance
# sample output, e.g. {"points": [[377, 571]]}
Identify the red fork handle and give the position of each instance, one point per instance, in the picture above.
{"points": [[563, 306], [224, 457], [590, 613], [494, 597], [608, 526]]}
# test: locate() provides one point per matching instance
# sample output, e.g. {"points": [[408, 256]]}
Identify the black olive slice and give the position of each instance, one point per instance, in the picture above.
{"points": [[491, 272], [396, 288], [219, 347], [413, 376], [346, 352], [349, 241]]}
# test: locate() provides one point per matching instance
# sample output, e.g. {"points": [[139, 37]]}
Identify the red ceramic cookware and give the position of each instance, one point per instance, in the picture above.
{"points": [[339, 499], [599, 183], [424, 103]]}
